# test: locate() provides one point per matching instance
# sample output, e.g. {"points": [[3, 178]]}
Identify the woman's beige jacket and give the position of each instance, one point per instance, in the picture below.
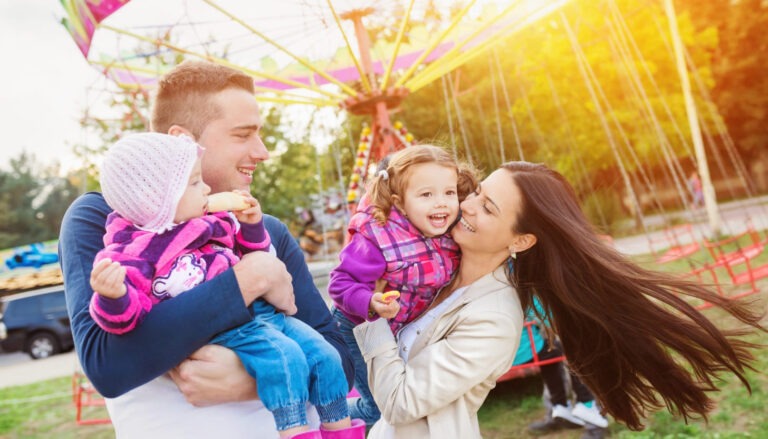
{"points": [[452, 367]]}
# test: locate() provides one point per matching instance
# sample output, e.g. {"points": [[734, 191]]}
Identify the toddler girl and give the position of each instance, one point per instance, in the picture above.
{"points": [[398, 235]]}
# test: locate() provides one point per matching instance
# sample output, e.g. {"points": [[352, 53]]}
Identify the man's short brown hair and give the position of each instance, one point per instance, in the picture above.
{"points": [[183, 95]]}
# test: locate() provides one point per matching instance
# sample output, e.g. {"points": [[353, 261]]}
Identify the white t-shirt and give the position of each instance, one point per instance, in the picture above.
{"points": [[158, 410]]}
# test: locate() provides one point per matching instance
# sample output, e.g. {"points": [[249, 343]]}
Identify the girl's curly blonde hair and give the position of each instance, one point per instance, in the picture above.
{"points": [[398, 172]]}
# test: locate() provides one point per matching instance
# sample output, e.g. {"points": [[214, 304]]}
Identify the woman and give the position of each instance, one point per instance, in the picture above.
{"points": [[621, 326]]}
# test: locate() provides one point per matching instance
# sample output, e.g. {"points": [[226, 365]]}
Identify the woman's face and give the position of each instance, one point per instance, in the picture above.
{"points": [[488, 216]]}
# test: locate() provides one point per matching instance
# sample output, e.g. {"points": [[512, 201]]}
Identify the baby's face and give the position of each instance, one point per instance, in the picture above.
{"points": [[194, 201]]}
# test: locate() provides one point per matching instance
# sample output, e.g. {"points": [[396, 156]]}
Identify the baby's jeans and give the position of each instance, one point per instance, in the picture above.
{"points": [[365, 407], [292, 363]]}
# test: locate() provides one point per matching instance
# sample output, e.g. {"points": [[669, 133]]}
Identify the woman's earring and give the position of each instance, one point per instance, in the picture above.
{"points": [[513, 254]]}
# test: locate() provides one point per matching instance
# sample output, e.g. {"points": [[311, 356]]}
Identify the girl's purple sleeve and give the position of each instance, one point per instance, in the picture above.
{"points": [[352, 282]]}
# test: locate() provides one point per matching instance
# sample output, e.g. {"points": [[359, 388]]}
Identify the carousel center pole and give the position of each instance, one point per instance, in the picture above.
{"points": [[376, 103]]}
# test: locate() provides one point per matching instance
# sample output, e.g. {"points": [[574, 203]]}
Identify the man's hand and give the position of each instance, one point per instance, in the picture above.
{"points": [[213, 375], [108, 279], [262, 275]]}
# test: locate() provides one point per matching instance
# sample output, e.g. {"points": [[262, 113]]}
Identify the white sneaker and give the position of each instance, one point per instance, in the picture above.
{"points": [[563, 412], [589, 412]]}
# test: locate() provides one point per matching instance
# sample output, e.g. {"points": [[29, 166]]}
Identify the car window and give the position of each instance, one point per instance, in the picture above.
{"points": [[53, 303], [24, 308]]}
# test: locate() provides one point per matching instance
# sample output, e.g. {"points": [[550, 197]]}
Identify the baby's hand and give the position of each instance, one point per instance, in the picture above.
{"points": [[384, 307], [251, 215], [108, 279]]}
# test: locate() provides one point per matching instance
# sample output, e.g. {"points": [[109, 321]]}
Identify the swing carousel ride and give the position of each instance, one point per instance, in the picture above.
{"points": [[320, 53]]}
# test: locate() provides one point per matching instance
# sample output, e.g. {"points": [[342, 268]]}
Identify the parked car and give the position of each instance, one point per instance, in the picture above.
{"points": [[35, 322]]}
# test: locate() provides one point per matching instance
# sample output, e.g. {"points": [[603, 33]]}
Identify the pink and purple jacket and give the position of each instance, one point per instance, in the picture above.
{"points": [[162, 266], [411, 263]]}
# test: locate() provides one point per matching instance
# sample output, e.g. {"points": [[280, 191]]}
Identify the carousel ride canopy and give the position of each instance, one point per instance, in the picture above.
{"points": [[362, 56]]}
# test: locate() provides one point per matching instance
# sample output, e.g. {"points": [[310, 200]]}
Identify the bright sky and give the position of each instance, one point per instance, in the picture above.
{"points": [[44, 79]]}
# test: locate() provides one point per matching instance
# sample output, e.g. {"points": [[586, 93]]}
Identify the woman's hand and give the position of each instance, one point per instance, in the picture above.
{"points": [[213, 375]]}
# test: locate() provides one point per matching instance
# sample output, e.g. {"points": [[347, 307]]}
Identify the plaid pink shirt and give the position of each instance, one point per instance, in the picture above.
{"points": [[416, 266]]}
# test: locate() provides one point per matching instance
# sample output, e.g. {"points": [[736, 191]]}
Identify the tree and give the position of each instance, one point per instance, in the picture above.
{"points": [[289, 177], [32, 201], [739, 64], [624, 48]]}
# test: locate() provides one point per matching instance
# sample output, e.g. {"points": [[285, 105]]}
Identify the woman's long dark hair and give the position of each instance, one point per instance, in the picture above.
{"points": [[626, 331]]}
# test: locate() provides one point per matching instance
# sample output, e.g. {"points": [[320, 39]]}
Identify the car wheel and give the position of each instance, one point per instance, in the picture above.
{"points": [[42, 345]]}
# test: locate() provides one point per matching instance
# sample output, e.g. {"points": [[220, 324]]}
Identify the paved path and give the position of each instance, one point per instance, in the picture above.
{"points": [[736, 216], [18, 369]]}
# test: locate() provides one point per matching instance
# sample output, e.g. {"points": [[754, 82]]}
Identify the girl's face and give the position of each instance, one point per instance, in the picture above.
{"points": [[194, 201], [488, 216], [430, 200]]}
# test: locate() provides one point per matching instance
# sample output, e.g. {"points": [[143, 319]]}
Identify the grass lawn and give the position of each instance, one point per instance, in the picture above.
{"points": [[46, 410]]}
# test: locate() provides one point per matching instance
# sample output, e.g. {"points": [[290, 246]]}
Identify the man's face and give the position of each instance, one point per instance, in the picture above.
{"points": [[232, 142]]}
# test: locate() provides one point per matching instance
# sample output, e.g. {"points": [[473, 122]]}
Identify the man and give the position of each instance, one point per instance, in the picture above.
{"points": [[212, 393]]}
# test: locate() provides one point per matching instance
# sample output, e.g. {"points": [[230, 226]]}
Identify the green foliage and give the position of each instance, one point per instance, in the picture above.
{"points": [[551, 110], [740, 59], [603, 208], [296, 169], [33, 199], [287, 179]]}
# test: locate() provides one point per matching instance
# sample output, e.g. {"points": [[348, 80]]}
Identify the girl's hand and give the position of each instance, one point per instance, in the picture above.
{"points": [[108, 279], [251, 215], [384, 308]]}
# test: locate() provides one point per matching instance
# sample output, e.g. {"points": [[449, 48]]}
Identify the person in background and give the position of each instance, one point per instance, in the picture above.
{"points": [[697, 191]]}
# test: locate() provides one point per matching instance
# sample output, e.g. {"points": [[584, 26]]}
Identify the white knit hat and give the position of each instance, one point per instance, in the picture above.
{"points": [[143, 177]]}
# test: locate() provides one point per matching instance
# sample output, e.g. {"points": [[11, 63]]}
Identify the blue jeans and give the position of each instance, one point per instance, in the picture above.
{"points": [[365, 407], [292, 364]]}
